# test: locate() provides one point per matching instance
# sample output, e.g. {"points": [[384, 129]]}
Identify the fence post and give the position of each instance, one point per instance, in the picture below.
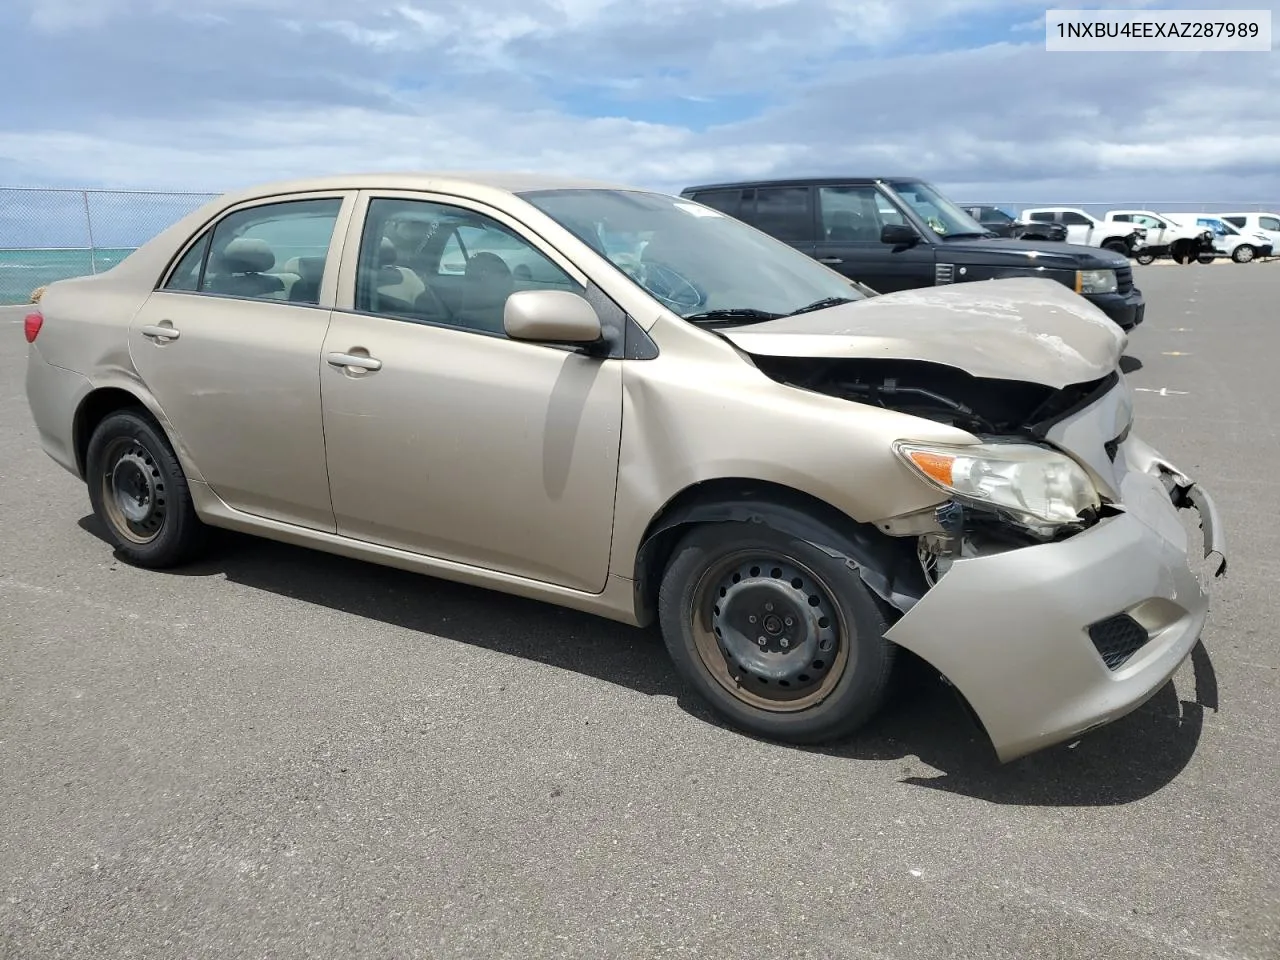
{"points": [[88, 222]]}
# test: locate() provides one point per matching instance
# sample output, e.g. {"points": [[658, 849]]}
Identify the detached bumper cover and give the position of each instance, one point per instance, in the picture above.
{"points": [[1012, 630]]}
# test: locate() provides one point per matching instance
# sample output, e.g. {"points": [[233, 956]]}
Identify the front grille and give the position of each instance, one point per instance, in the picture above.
{"points": [[1117, 639], [1124, 279]]}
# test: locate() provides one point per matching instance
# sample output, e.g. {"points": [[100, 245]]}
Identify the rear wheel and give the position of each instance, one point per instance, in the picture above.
{"points": [[1243, 253], [1145, 258], [1116, 246], [139, 492], [1205, 258], [779, 637]]}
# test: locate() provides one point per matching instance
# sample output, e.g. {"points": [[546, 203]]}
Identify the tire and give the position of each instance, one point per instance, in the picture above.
{"points": [[1183, 252], [1243, 253], [827, 664], [139, 492], [1205, 258], [1145, 258], [1116, 246]]}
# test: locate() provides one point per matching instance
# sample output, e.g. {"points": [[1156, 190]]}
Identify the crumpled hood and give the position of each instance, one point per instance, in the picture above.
{"points": [[1023, 328]]}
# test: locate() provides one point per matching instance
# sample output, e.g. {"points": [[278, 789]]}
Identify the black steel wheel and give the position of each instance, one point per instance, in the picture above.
{"points": [[1145, 258], [138, 491], [778, 636]]}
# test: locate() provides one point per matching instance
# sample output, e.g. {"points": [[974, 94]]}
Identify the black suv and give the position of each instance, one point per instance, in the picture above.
{"points": [[900, 233]]}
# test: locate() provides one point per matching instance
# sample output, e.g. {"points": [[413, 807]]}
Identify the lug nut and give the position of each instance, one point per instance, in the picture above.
{"points": [[768, 606], [785, 643], [752, 618], [763, 641], [790, 622]]}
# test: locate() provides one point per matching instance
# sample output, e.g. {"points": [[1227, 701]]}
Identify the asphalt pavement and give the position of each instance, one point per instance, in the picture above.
{"points": [[278, 753]]}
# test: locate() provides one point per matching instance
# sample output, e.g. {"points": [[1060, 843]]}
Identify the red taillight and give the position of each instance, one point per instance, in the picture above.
{"points": [[31, 326]]}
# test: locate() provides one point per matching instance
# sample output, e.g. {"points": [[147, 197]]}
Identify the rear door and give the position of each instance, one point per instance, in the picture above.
{"points": [[1079, 227], [850, 219], [229, 346]]}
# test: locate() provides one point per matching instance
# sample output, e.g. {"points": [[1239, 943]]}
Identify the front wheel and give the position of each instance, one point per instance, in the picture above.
{"points": [[1145, 258], [780, 638], [139, 492], [1206, 258], [1243, 253]]}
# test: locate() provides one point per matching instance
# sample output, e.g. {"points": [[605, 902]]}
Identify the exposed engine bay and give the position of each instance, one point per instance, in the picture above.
{"points": [[984, 407], [991, 409]]}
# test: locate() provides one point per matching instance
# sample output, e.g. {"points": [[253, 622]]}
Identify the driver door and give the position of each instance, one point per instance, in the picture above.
{"points": [[849, 222], [445, 438]]}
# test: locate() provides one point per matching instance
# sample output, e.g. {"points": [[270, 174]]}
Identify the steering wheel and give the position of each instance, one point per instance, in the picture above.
{"points": [[671, 287]]}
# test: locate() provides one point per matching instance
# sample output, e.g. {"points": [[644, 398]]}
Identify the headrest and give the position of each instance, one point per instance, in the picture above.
{"points": [[387, 253], [247, 255], [487, 264], [310, 269]]}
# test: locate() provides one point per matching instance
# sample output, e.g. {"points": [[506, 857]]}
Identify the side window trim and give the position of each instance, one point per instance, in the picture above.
{"points": [[333, 256]]}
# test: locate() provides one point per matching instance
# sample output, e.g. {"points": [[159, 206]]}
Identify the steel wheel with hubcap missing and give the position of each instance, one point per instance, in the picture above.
{"points": [[778, 635], [134, 494], [138, 490]]}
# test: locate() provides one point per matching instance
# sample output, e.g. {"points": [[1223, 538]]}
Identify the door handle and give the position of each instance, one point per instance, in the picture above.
{"points": [[352, 360], [160, 331], [830, 260]]}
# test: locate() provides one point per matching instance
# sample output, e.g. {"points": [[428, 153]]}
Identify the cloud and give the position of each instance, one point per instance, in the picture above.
{"points": [[213, 94]]}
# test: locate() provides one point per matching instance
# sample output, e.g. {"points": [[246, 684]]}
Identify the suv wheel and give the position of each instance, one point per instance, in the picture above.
{"points": [[1117, 246], [780, 638], [138, 491], [1243, 253], [1145, 258]]}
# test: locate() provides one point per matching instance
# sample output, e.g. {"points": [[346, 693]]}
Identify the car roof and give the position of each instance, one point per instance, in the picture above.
{"points": [[792, 182], [444, 181]]}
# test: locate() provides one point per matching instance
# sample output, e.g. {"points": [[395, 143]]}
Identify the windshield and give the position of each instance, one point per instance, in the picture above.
{"points": [[694, 259], [946, 219], [1218, 227]]}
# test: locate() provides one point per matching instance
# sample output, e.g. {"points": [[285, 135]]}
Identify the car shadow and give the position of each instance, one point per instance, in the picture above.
{"points": [[1130, 364], [1124, 761]]}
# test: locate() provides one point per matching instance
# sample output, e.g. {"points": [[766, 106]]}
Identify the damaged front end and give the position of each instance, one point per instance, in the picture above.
{"points": [[1059, 587]]}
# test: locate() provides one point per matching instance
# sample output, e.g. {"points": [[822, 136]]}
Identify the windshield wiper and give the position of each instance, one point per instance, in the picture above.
{"points": [[821, 305], [734, 313], [958, 236]]}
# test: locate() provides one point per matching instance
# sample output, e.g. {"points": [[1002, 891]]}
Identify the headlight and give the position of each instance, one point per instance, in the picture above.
{"points": [[1038, 486], [1096, 281]]}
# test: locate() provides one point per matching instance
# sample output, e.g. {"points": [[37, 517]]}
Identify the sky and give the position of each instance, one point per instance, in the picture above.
{"points": [[210, 95]]}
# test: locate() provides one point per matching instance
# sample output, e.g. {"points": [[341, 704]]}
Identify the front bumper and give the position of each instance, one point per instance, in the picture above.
{"points": [[1126, 309], [1012, 630]]}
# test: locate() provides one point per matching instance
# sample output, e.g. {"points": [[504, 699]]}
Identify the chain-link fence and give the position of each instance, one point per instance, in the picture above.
{"points": [[48, 235]]}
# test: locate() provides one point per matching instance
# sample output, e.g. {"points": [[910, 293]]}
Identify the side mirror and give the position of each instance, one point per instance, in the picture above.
{"points": [[551, 316], [898, 234]]}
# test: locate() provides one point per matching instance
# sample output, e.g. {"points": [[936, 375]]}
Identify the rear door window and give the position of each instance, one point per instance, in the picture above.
{"points": [[785, 212]]}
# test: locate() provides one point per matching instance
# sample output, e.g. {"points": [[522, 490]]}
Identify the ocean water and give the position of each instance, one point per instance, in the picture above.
{"points": [[22, 271]]}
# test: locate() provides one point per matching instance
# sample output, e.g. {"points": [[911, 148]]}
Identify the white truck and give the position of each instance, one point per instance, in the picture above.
{"points": [[1165, 237], [1125, 239]]}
